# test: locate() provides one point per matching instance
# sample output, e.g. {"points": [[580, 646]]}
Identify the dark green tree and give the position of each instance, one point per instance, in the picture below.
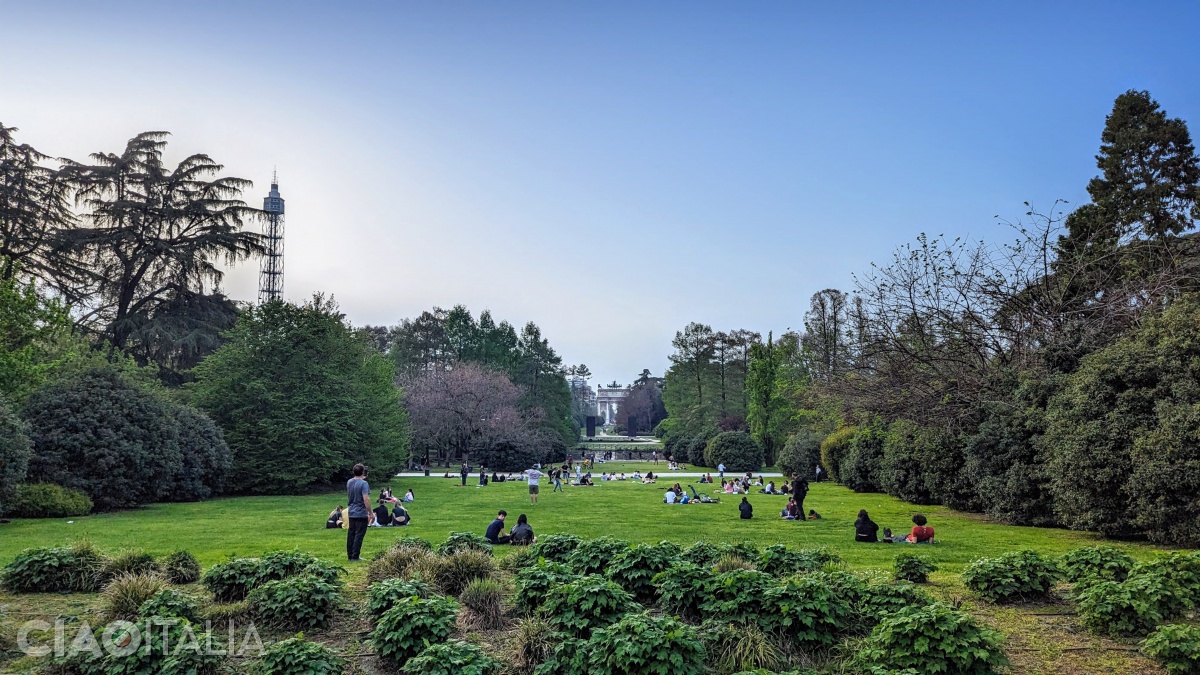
{"points": [[301, 397], [35, 203], [206, 458], [14, 451]]}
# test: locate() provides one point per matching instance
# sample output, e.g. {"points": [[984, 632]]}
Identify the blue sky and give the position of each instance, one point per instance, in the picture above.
{"points": [[609, 170]]}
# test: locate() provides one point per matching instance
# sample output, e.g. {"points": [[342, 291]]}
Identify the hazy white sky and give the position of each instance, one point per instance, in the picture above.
{"points": [[610, 171]]}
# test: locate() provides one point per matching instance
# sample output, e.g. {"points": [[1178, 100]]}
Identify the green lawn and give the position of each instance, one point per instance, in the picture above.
{"points": [[244, 526]]}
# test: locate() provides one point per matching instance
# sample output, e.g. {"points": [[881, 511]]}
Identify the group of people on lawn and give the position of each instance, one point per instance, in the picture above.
{"points": [[867, 532], [396, 516]]}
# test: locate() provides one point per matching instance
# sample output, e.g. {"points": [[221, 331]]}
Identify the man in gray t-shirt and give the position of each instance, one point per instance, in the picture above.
{"points": [[358, 511]]}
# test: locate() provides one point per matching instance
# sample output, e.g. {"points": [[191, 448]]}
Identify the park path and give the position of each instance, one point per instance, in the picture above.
{"points": [[664, 475]]}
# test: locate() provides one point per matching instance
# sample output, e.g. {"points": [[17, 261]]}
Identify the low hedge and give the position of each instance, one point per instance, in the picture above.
{"points": [[46, 500]]}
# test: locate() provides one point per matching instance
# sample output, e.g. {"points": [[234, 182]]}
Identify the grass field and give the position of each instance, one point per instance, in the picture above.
{"points": [[1042, 639]]}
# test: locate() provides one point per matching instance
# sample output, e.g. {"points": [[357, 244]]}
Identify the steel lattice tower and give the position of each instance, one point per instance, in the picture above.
{"points": [[270, 272]]}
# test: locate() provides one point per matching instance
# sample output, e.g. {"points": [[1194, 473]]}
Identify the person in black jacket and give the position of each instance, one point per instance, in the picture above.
{"points": [[865, 529], [746, 509]]}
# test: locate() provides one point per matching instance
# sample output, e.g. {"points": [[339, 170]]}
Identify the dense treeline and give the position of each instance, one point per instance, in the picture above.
{"points": [[1050, 380], [113, 327], [479, 390]]}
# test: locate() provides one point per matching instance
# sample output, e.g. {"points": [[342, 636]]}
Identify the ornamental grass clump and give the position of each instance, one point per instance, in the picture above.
{"points": [[742, 647], [131, 562], [181, 568], [485, 601], [1017, 576], [450, 574], [397, 562], [464, 541], [124, 595], [410, 625]]}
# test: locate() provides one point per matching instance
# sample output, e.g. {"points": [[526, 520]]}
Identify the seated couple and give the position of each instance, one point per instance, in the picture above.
{"points": [[398, 517], [794, 511], [521, 535], [676, 495], [865, 531]]}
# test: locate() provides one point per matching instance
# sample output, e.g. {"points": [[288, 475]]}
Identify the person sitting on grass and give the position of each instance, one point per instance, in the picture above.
{"points": [[865, 529], [789, 510], [813, 515], [746, 509], [785, 489], [382, 517], [335, 519], [622, 476], [650, 478], [637, 476], [386, 494], [495, 530], [400, 516], [522, 534], [408, 496], [887, 536], [921, 533], [730, 487], [770, 488], [669, 497]]}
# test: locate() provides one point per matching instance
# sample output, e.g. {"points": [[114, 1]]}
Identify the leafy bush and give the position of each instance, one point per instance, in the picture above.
{"points": [[682, 589], [172, 603], [124, 595], [75, 568], [834, 449], [450, 574], [1095, 562], [131, 562], [206, 457], [1014, 576], [1131, 607], [165, 651], [14, 455], [133, 462], [861, 467], [585, 604], [739, 596], [801, 454], [181, 567], [297, 656], [452, 658], [397, 562], [1177, 647], [301, 602], [464, 541], [932, 639], [555, 547], [485, 600], [907, 452], [535, 582], [877, 601], [412, 624], [808, 610], [231, 580], [278, 565], [46, 500], [412, 542], [1183, 569], [641, 643], [383, 595], [737, 450], [635, 567], [914, 568], [696, 446], [701, 553], [594, 555], [740, 647], [780, 561]]}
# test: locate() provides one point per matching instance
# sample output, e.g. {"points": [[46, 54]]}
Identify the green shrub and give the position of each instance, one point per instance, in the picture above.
{"points": [[46, 500], [65, 569], [124, 595], [175, 649], [696, 446], [206, 456], [534, 583], [740, 647], [1131, 607], [485, 599], [231, 580], [737, 450], [1183, 569], [914, 568], [1177, 647], [131, 562], [701, 553], [834, 449], [452, 658], [682, 589], [878, 601], [933, 639], [780, 561], [1095, 562], [592, 556], [278, 565], [808, 610], [635, 567], [300, 603], [907, 451], [464, 541], [297, 656], [555, 547], [397, 562], [739, 596], [1014, 576], [172, 603], [641, 643], [381, 596], [412, 542], [861, 467], [181, 567], [15, 447], [522, 557], [450, 574], [585, 604], [800, 454], [411, 625]]}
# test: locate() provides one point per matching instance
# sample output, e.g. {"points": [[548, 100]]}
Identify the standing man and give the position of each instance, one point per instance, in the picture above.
{"points": [[721, 470], [556, 475], [534, 475], [654, 456], [463, 471], [358, 497]]}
